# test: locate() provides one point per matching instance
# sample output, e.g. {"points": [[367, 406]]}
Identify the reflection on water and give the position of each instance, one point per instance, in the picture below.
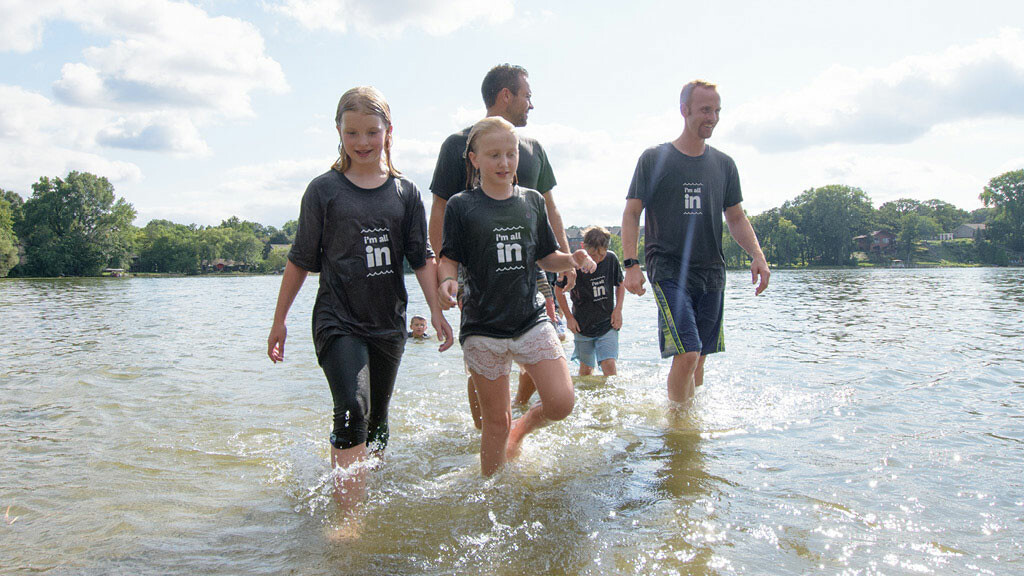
{"points": [[860, 422]]}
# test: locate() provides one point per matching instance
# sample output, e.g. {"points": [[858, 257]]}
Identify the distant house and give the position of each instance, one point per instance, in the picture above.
{"points": [[224, 265], [945, 236], [967, 230], [575, 236], [877, 241]]}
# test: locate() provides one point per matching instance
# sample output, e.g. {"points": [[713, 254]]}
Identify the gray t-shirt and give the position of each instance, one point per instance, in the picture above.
{"points": [[684, 197], [534, 170], [356, 239], [498, 243]]}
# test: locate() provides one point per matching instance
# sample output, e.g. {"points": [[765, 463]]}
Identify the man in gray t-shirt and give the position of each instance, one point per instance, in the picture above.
{"points": [[506, 93], [684, 187]]}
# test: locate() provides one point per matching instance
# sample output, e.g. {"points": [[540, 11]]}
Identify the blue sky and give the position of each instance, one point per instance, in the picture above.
{"points": [[198, 111]]}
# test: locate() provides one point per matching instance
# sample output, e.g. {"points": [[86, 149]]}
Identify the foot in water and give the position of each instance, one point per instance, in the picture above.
{"points": [[347, 532], [515, 439]]}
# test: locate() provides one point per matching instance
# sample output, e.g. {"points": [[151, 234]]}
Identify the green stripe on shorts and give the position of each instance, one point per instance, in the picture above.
{"points": [[668, 324]]}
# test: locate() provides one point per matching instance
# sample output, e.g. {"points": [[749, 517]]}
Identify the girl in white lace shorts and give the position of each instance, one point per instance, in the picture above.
{"points": [[498, 232]]}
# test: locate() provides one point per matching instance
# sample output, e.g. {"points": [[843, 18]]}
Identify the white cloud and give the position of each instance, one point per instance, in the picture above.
{"points": [[41, 138], [22, 24], [375, 19], [895, 104], [160, 132]]}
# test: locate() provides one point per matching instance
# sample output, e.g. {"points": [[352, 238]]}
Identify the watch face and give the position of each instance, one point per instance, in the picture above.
{"points": [[630, 262]]}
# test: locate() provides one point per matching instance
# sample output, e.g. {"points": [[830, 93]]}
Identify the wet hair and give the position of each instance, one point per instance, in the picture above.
{"points": [[596, 237], [415, 318], [684, 96], [500, 77], [366, 100], [485, 126]]}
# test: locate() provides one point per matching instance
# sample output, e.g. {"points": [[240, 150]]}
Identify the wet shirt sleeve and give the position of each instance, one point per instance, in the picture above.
{"points": [[640, 187], [546, 242], [733, 194], [450, 171], [546, 178], [417, 247], [306, 250], [452, 245]]}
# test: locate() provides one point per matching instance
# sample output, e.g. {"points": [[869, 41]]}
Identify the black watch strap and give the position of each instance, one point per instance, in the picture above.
{"points": [[630, 262]]}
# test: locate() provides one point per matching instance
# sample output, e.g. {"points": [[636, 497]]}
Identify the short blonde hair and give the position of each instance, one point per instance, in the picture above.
{"points": [[485, 126], [367, 100], [684, 95]]}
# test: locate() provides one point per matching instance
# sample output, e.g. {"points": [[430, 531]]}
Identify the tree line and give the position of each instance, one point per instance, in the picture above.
{"points": [[818, 227], [76, 226]]}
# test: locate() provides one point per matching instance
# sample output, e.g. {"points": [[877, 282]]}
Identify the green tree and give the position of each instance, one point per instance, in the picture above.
{"points": [[946, 215], [828, 218], [890, 214], [914, 228], [8, 239], [168, 247], [289, 228], [74, 227], [615, 246], [1005, 193]]}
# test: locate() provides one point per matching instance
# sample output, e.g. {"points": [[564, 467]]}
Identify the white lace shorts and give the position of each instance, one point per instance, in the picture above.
{"points": [[492, 357]]}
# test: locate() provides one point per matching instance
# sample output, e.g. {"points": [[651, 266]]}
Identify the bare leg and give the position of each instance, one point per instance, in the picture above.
{"points": [[608, 367], [526, 388], [557, 398], [474, 403], [585, 370], [698, 374], [349, 488], [680, 377], [496, 412]]}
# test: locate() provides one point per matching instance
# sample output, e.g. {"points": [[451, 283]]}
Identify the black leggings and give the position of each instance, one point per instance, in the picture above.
{"points": [[361, 372]]}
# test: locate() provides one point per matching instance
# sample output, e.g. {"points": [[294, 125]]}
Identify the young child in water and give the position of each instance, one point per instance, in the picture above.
{"points": [[596, 314], [357, 222], [418, 328], [497, 231]]}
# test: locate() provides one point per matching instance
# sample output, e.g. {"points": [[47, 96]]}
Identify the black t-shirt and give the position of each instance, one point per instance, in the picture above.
{"points": [[498, 242], [593, 297], [684, 197], [449, 179], [356, 238]]}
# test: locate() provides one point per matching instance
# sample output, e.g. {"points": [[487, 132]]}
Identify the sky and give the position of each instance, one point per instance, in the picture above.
{"points": [[199, 111]]}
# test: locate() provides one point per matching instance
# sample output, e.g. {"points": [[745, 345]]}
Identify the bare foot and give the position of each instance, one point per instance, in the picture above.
{"points": [[347, 532], [515, 440]]}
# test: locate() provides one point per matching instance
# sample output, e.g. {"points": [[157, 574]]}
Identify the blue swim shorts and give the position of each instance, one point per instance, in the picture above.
{"points": [[593, 351], [689, 321]]}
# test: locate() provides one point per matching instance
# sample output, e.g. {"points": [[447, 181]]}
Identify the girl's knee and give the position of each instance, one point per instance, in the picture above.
{"points": [[559, 407]]}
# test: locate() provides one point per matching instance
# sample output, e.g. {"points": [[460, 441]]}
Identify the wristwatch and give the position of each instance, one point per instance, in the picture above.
{"points": [[630, 262]]}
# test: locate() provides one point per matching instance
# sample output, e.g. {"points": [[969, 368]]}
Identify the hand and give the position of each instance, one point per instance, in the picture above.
{"points": [[634, 281], [583, 261], [443, 330], [446, 294], [572, 324], [275, 343], [570, 280], [617, 319], [759, 267]]}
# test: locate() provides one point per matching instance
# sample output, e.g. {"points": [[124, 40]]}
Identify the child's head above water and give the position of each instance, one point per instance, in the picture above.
{"points": [[418, 326], [363, 120], [492, 152], [595, 242]]}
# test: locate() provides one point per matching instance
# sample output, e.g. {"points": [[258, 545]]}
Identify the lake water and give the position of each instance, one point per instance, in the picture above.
{"points": [[860, 422]]}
